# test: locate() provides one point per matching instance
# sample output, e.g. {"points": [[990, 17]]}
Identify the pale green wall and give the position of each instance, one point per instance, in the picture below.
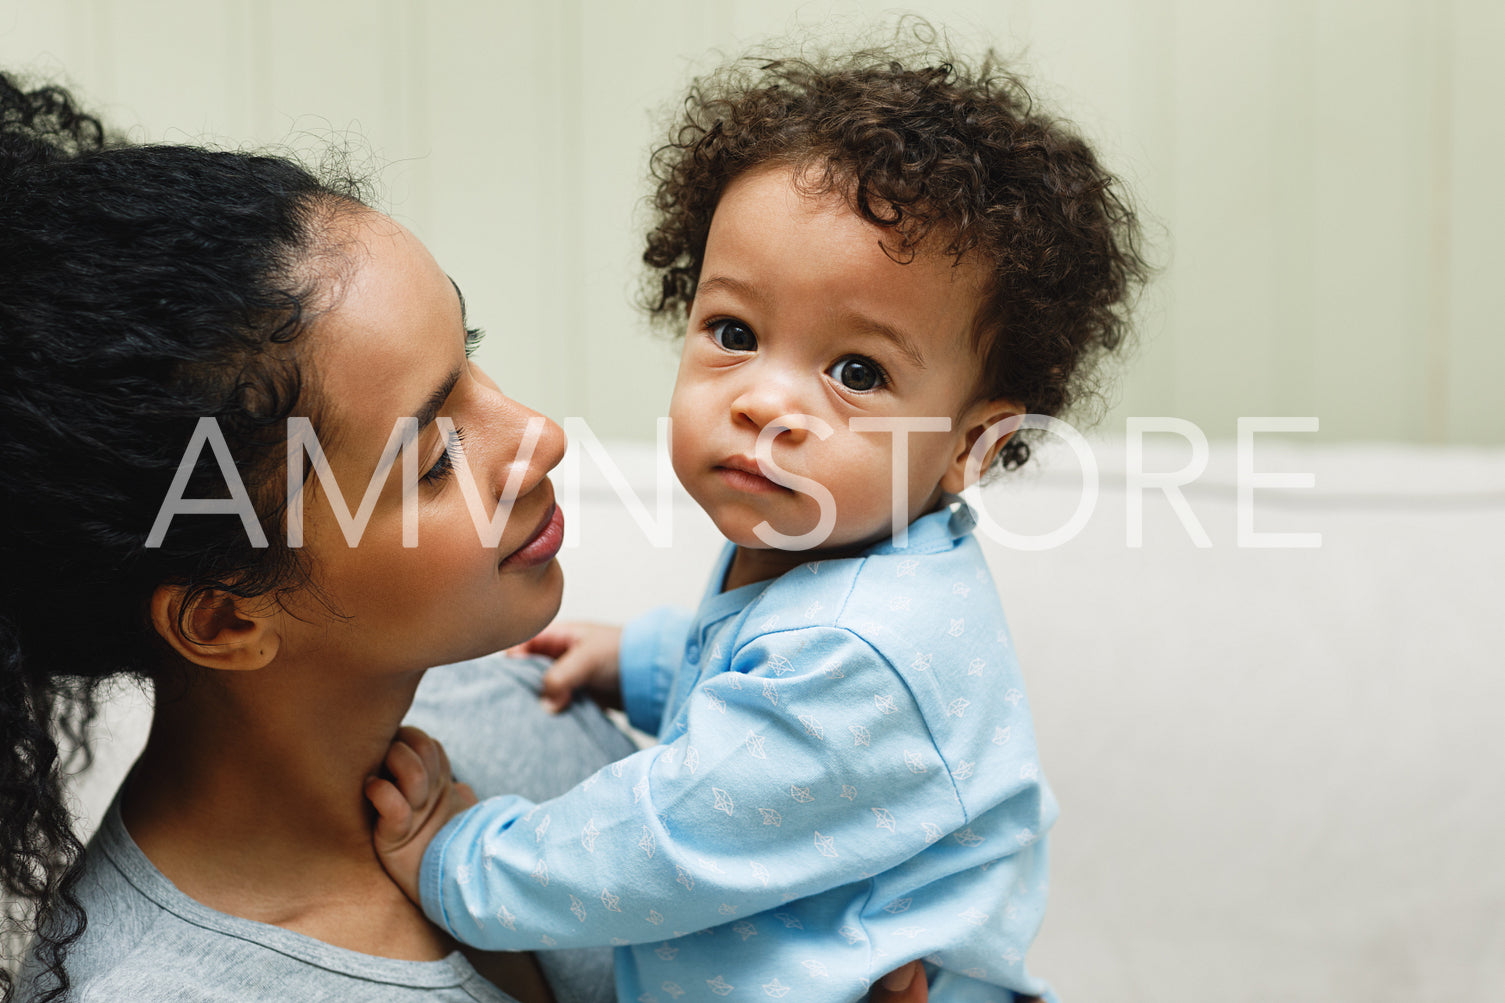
{"points": [[1322, 176]]}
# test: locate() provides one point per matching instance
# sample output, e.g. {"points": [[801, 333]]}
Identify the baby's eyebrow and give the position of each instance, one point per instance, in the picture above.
{"points": [[901, 341], [720, 283], [861, 322]]}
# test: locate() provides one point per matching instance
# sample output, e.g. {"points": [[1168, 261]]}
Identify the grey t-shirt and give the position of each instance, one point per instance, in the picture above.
{"points": [[147, 941]]}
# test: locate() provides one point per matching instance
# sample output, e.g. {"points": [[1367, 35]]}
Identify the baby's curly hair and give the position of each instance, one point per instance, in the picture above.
{"points": [[932, 150]]}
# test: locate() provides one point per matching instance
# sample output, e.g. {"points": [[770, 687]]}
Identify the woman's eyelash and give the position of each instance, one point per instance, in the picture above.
{"points": [[473, 336], [445, 464]]}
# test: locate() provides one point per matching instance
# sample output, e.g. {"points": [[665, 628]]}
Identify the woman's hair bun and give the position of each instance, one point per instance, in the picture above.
{"points": [[37, 126]]}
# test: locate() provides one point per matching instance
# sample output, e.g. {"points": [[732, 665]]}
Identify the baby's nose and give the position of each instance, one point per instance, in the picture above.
{"points": [[765, 402]]}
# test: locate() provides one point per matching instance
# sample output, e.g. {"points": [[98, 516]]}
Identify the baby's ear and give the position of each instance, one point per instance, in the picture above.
{"points": [[983, 427], [216, 630]]}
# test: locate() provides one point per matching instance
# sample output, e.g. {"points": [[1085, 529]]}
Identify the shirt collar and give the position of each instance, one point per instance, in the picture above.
{"points": [[934, 531]]}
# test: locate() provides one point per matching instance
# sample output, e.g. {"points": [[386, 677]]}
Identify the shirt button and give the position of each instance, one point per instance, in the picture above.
{"points": [[692, 651]]}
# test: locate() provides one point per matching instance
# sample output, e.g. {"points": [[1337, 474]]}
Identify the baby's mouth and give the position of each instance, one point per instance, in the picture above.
{"points": [[744, 475]]}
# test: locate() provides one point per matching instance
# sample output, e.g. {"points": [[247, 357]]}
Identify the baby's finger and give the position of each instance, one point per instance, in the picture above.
{"points": [[562, 679], [427, 748], [525, 648], [408, 772], [551, 642], [393, 813], [905, 984], [442, 769]]}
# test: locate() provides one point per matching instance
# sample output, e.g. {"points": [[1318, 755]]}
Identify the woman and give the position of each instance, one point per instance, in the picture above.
{"points": [[143, 290]]}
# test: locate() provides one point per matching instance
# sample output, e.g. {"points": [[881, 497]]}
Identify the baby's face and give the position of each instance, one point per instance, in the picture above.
{"points": [[800, 312]]}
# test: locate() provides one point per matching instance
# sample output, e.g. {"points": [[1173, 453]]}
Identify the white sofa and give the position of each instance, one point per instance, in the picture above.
{"points": [[1282, 771]]}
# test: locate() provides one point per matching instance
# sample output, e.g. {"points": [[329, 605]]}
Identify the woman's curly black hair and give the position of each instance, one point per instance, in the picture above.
{"points": [[142, 288], [922, 145]]}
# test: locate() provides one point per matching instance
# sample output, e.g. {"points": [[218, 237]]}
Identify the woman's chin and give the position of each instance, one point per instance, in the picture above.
{"points": [[542, 607]]}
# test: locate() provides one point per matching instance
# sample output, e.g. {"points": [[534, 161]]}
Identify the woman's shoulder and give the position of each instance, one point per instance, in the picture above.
{"points": [[120, 921], [146, 941]]}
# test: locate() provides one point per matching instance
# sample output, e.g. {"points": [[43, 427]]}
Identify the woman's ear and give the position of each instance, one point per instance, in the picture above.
{"points": [[216, 630], [985, 418]]}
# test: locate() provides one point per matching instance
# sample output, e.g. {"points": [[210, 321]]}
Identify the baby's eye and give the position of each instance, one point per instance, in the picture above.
{"points": [[734, 336], [857, 373]]}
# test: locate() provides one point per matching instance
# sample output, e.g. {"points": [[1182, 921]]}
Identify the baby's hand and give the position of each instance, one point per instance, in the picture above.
{"points": [[905, 984], [585, 657], [413, 806]]}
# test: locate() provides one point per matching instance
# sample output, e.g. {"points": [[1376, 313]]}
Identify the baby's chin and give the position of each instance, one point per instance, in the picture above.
{"points": [[842, 541]]}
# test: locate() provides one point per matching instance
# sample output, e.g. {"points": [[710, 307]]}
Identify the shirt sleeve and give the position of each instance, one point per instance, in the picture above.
{"points": [[652, 648], [807, 766]]}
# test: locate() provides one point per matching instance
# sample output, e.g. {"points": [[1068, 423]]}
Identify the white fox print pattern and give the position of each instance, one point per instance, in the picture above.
{"points": [[846, 780]]}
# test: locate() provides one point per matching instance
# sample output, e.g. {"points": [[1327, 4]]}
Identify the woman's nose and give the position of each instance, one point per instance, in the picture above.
{"points": [[531, 444], [538, 443]]}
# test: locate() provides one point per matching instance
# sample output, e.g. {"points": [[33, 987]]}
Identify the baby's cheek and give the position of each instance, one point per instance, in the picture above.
{"points": [[686, 408], [862, 484]]}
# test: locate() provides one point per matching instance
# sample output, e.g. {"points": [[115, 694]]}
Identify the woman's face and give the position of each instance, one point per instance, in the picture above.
{"points": [[392, 345]]}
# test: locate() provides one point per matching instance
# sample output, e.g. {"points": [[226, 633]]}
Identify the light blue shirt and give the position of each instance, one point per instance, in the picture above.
{"points": [[846, 780]]}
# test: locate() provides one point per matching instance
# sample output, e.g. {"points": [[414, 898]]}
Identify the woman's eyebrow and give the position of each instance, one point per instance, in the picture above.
{"points": [[430, 409], [459, 296]]}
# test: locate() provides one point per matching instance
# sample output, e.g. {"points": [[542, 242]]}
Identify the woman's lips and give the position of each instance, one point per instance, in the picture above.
{"points": [[542, 546]]}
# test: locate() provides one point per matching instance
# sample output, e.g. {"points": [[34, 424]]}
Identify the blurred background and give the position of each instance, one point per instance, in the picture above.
{"points": [[1319, 179], [1280, 769]]}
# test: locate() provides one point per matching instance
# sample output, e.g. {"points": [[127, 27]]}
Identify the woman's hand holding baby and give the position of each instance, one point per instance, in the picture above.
{"points": [[413, 806], [585, 657]]}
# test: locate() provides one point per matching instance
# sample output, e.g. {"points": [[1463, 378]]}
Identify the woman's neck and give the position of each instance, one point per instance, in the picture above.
{"points": [[248, 798]]}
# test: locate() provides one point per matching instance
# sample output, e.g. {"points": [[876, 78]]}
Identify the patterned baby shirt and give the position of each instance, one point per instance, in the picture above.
{"points": [[846, 779]]}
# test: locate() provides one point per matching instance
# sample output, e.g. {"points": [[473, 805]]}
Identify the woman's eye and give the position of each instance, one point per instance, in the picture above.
{"points": [[445, 464], [734, 336], [856, 373], [440, 470]]}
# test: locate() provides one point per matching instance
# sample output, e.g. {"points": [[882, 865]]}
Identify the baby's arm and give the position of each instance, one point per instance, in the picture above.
{"points": [[424, 797], [784, 785], [414, 805]]}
